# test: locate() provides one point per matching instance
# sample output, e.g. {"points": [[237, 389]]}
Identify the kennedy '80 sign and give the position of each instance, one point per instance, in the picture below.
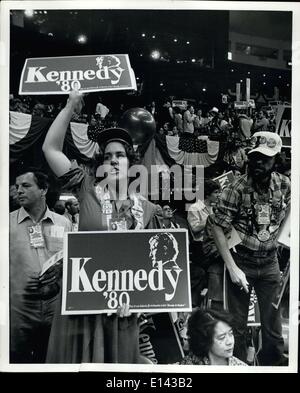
{"points": [[147, 269], [60, 75]]}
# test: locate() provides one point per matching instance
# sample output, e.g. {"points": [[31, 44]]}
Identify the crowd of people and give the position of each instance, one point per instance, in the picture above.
{"points": [[234, 228]]}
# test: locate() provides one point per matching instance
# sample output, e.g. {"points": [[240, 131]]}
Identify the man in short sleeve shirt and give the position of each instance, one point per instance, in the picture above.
{"points": [[36, 234]]}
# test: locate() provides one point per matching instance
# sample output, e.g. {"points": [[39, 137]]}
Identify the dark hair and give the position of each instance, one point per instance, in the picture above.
{"points": [[201, 329], [277, 162], [130, 153], [40, 178], [209, 187], [69, 203], [176, 109]]}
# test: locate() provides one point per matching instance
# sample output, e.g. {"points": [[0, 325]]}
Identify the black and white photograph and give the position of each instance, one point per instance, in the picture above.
{"points": [[173, 119]]}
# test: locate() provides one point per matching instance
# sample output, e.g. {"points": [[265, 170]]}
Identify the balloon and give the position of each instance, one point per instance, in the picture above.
{"points": [[139, 123]]}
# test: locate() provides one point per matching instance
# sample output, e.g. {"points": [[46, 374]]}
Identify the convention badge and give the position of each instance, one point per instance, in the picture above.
{"points": [[106, 207], [118, 225], [271, 142], [263, 235], [253, 141], [262, 140], [138, 213], [263, 214], [36, 236]]}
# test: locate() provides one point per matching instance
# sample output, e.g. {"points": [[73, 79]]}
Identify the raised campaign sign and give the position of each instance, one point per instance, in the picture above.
{"points": [[284, 124], [148, 269], [225, 179], [60, 75]]}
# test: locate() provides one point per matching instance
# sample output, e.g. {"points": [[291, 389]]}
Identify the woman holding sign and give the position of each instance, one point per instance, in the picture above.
{"points": [[105, 204]]}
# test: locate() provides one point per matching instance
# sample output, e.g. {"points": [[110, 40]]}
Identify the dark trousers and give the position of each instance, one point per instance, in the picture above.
{"points": [[30, 324], [264, 275]]}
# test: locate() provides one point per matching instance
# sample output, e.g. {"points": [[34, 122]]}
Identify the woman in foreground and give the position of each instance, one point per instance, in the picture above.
{"points": [[105, 204], [211, 340]]}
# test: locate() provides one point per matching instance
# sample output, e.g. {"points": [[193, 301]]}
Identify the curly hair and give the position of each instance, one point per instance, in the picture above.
{"points": [[201, 329], [165, 244], [99, 158]]}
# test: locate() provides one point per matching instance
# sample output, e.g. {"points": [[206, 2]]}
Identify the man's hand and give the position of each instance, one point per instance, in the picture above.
{"points": [[49, 277], [45, 286], [33, 283], [238, 277]]}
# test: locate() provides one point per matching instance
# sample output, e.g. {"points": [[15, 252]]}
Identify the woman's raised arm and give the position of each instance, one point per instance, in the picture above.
{"points": [[53, 144]]}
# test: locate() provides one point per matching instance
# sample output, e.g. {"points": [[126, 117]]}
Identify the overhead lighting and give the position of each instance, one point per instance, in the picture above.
{"points": [[82, 39], [193, 60], [188, 42], [229, 55], [137, 78], [175, 40], [161, 84], [264, 75], [45, 12], [279, 77], [153, 36], [241, 80], [204, 89], [29, 13], [50, 34], [141, 55], [248, 72], [231, 70], [264, 83], [155, 54], [143, 35]]}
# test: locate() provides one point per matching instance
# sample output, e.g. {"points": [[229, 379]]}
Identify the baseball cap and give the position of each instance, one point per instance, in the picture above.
{"points": [[214, 109], [266, 142], [114, 135]]}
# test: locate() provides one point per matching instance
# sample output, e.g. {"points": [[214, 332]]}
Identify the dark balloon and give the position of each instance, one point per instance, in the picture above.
{"points": [[140, 124]]}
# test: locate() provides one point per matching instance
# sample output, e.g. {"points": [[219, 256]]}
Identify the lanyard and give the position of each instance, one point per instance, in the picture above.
{"points": [[136, 209], [260, 217]]}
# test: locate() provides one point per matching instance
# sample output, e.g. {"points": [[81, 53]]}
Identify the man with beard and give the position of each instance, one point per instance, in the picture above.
{"points": [[255, 206]]}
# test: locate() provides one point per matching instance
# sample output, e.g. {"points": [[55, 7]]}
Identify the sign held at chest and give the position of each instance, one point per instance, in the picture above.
{"points": [[101, 271]]}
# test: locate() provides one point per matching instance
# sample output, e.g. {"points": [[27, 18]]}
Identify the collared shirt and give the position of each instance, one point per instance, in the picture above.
{"points": [[235, 203], [25, 260], [197, 217], [74, 220], [171, 226]]}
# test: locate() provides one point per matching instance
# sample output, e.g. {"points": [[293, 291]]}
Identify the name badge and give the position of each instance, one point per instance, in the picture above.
{"points": [[118, 225], [36, 236], [106, 207], [263, 214]]}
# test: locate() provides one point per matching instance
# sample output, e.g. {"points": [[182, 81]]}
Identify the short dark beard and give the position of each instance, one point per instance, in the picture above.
{"points": [[261, 182]]}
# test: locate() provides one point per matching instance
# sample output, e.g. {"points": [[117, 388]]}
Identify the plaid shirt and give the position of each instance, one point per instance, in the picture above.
{"points": [[236, 201]]}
